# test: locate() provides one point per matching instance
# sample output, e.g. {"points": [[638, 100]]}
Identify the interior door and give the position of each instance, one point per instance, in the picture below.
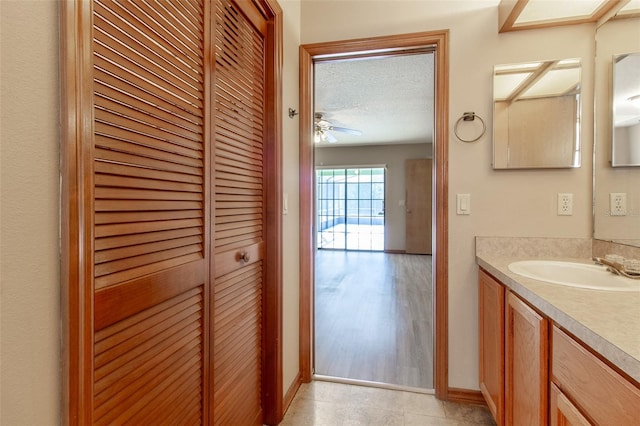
{"points": [[167, 206], [418, 206], [239, 247], [150, 221]]}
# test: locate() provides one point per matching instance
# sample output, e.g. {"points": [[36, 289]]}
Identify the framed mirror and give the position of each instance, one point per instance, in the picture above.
{"points": [[536, 114], [625, 135]]}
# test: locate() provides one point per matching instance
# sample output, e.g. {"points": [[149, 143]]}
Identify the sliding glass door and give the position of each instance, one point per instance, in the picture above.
{"points": [[350, 208]]}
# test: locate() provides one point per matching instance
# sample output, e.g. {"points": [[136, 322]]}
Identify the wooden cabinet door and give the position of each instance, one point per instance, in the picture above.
{"points": [[562, 412], [526, 359], [418, 206], [602, 394], [491, 297]]}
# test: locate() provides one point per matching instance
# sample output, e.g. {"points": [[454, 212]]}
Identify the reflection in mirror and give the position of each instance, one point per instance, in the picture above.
{"points": [[614, 38], [626, 110], [536, 115]]}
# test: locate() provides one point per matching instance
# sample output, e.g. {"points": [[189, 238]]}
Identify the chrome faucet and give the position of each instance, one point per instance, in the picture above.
{"points": [[617, 268]]}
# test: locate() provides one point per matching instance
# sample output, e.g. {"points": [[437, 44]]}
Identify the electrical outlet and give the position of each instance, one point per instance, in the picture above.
{"points": [[618, 203], [565, 204]]}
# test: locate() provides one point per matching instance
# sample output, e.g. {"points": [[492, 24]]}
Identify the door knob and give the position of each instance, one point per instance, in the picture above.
{"points": [[245, 257]]}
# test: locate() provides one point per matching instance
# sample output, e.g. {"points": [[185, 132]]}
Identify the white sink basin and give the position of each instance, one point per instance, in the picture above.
{"points": [[573, 274]]}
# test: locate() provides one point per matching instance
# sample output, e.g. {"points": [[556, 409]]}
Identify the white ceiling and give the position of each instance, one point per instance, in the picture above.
{"points": [[389, 99]]}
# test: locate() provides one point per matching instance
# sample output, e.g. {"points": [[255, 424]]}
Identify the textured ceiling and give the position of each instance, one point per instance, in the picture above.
{"points": [[389, 99]]}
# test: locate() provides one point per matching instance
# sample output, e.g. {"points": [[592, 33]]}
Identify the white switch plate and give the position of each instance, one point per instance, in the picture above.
{"points": [[463, 204], [565, 204], [618, 203]]}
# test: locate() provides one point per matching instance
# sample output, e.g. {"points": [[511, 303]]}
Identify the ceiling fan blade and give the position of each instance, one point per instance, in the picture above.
{"points": [[346, 130], [330, 138]]}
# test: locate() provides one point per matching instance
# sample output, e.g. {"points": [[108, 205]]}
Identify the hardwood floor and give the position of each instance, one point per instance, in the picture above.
{"points": [[373, 317]]}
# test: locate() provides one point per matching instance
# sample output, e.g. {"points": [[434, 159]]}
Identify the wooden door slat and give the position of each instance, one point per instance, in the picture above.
{"points": [[103, 218], [126, 128], [130, 274], [144, 62], [137, 183], [120, 106], [122, 37], [131, 159], [102, 167], [239, 224], [236, 218], [115, 266], [145, 205], [229, 172], [146, 30], [141, 194], [148, 85], [128, 241], [142, 105], [183, 111]]}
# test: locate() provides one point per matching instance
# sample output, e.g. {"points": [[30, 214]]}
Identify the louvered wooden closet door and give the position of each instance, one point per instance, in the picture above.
{"points": [[239, 130], [151, 209]]}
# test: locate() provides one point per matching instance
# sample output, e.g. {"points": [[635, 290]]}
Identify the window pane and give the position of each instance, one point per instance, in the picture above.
{"points": [[350, 208], [365, 190], [377, 191]]}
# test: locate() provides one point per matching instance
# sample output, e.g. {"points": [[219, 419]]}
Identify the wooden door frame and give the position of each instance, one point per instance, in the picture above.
{"points": [[272, 388], [438, 42]]}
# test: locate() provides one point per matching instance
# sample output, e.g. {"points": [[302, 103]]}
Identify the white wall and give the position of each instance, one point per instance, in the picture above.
{"points": [[30, 295], [503, 203], [290, 172], [393, 156]]}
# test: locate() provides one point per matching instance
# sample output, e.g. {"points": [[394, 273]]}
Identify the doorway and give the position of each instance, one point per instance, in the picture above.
{"points": [[436, 42]]}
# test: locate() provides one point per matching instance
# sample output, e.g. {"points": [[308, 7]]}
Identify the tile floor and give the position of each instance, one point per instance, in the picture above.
{"points": [[336, 404]]}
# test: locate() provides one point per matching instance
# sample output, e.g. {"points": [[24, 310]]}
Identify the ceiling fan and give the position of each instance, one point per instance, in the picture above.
{"points": [[322, 127]]}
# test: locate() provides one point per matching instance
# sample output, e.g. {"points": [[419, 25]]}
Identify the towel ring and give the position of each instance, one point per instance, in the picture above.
{"points": [[469, 116]]}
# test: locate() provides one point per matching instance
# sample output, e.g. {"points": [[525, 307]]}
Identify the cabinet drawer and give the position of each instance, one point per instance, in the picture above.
{"points": [[602, 394]]}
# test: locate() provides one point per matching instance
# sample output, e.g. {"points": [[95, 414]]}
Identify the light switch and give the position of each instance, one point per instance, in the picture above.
{"points": [[285, 203], [464, 204]]}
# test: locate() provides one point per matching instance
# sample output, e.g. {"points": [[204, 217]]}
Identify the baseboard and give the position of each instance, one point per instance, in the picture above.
{"points": [[395, 251], [291, 393], [465, 396]]}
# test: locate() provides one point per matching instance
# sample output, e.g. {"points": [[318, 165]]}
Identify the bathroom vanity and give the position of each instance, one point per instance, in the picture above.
{"points": [[553, 354]]}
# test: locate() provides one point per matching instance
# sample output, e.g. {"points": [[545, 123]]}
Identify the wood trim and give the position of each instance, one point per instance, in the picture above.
{"points": [[76, 270], [510, 10], [291, 392], [437, 41], [441, 218], [396, 251], [306, 207], [209, 213], [466, 396], [272, 392]]}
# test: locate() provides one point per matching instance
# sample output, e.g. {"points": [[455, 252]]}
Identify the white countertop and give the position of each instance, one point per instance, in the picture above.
{"points": [[608, 322]]}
